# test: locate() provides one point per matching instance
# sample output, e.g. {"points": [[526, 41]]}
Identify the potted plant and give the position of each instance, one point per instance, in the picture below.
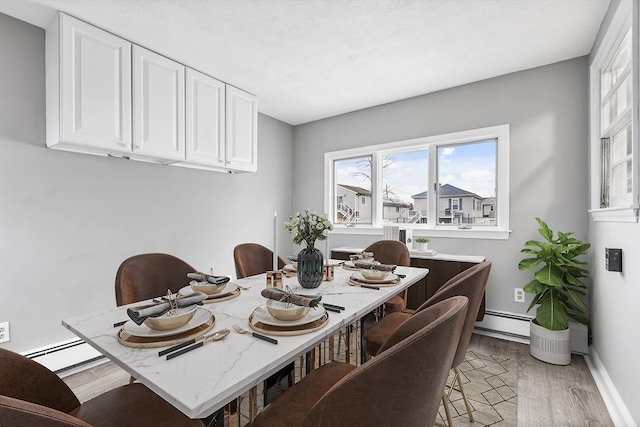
{"points": [[421, 243], [558, 291]]}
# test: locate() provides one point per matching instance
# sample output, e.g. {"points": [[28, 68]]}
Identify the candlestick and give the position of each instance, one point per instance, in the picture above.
{"points": [[275, 241], [326, 261]]}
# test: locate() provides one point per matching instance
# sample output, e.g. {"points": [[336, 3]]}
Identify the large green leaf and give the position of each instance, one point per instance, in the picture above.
{"points": [[576, 299], [551, 313], [549, 275], [544, 230], [528, 263], [534, 287]]}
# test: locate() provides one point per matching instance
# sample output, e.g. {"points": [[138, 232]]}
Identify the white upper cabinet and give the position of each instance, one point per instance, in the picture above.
{"points": [[158, 105], [88, 87], [205, 119], [242, 130]]}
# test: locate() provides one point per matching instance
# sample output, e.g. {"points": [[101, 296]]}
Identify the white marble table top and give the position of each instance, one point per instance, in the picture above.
{"points": [[204, 380]]}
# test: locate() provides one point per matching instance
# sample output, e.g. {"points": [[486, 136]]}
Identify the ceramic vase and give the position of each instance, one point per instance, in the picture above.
{"points": [[310, 262]]}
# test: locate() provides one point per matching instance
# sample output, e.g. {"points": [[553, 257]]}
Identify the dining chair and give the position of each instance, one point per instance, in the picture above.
{"points": [[146, 276], [401, 386], [32, 395], [396, 253], [251, 259], [470, 283]]}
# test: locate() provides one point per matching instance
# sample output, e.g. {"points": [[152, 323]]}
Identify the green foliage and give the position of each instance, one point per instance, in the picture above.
{"points": [[557, 285], [421, 239], [308, 227]]}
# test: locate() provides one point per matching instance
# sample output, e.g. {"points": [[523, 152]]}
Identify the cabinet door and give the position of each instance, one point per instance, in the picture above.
{"points": [[241, 129], [205, 119], [158, 105], [95, 86]]}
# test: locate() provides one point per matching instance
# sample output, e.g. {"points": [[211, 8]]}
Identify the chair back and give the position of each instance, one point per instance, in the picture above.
{"points": [[147, 276], [22, 378], [403, 384], [472, 284], [16, 412], [252, 259], [390, 252]]}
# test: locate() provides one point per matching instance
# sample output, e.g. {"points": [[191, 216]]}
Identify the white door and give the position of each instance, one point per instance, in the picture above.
{"points": [[205, 119], [158, 105], [242, 130], [95, 86]]}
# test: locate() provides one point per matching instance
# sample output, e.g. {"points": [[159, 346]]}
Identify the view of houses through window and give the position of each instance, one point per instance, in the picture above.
{"points": [[466, 185]]}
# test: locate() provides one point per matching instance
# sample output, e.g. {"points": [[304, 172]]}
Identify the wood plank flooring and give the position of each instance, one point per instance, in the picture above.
{"points": [[548, 395]]}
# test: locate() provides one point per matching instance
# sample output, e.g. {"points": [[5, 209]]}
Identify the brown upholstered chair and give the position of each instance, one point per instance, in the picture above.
{"points": [[32, 395], [146, 276], [395, 388], [392, 252], [470, 283], [251, 259]]}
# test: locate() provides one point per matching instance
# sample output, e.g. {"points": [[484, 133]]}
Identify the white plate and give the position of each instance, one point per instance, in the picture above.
{"points": [[201, 317], [263, 316], [390, 278], [188, 290]]}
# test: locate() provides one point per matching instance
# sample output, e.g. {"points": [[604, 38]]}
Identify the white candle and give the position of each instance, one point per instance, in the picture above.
{"points": [[275, 241], [326, 261]]}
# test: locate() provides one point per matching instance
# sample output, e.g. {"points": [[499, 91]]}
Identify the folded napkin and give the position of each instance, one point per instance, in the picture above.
{"points": [[374, 266], [139, 314], [280, 295], [201, 277]]}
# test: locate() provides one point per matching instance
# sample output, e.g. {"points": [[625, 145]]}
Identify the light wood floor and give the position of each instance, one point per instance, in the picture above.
{"points": [[548, 395]]}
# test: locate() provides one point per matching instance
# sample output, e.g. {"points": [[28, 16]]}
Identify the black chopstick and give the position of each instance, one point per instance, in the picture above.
{"points": [[176, 347], [370, 287], [115, 325], [262, 337], [185, 350], [337, 307], [329, 308], [402, 276]]}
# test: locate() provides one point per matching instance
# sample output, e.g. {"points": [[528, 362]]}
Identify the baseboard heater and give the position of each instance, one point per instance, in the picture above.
{"points": [[66, 357]]}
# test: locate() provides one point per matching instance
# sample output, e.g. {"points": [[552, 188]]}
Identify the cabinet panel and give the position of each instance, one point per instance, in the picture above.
{"points": [[95, 91], [158, 105], [241, 129], [205, 119]]}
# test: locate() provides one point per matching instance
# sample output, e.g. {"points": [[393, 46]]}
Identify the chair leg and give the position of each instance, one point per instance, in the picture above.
{"points": [[445, 403], [131, 380], [464, 396]]}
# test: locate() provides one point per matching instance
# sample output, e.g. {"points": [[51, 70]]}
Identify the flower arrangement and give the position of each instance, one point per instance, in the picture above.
{"points": [[308, 227]]}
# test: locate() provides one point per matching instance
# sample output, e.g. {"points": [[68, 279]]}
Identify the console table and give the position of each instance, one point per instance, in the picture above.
{"points": [[442, 267]]}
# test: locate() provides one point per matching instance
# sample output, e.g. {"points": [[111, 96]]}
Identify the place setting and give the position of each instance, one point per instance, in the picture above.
{"points": [[377, 276], [216, 288], [287, 313], [172, 320]]}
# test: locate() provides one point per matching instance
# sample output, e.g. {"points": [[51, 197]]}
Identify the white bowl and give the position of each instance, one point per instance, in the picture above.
{"points": [[286, 311], [206, 287], [374, 274], [167, 322]]}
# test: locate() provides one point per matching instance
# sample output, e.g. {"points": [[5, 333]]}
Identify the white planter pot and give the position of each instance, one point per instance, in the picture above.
{"points": [[420, 246], [550, 346]]}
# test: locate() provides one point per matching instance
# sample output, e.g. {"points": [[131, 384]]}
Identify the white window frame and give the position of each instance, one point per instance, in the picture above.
{"points": [[621, 21], [499, 231]]}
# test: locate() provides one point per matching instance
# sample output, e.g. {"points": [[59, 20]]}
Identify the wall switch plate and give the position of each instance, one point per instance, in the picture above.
{"points": [[613, 259], [4, 332], [519, 294]]}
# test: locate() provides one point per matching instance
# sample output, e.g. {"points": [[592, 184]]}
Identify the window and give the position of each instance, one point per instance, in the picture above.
{"points": [[453, 185], [614, 147]]}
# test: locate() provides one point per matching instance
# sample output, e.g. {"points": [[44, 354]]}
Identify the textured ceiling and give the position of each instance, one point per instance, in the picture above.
{"points": [[307, 60]]}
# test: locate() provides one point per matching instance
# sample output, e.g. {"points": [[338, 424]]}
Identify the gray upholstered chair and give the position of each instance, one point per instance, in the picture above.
{"points": [[392, 252], [395, 388], [470, 283], [32, 395]]}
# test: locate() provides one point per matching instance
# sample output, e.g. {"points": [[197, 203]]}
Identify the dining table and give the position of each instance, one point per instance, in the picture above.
{"points": [[204, 380]]}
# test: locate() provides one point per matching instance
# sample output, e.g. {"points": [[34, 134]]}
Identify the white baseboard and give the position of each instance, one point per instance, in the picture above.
{"points": [[66, 357], [618, 411]]}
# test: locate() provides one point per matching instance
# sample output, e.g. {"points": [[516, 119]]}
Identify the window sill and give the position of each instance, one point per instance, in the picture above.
{"points": [[626, 214], [455, 233]]}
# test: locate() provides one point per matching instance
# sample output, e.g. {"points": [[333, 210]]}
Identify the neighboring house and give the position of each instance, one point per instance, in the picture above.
{"points": [[395, 211], [456, 206], [489, 208], [353, 204]]}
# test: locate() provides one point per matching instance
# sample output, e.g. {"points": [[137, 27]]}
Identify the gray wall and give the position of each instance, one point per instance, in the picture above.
{"points": [[547, 110], [615, 317], [68, 220]]}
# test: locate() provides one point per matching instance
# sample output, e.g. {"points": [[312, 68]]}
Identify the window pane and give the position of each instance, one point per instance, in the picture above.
{"points": [[621, 60], [405, 178], [353, 190], [467, 180], [621, 187]]}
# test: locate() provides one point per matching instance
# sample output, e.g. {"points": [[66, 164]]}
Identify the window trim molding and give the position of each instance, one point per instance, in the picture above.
{"points": [[499, 231], [622, 19]]}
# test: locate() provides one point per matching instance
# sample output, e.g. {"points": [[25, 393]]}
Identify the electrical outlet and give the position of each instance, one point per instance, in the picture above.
{"points": [[4, 332], [519, 294]]}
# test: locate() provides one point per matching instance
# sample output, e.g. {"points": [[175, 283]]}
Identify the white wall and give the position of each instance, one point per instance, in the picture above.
{"points": [[547, 110], [68, 220], [615, 314]]}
